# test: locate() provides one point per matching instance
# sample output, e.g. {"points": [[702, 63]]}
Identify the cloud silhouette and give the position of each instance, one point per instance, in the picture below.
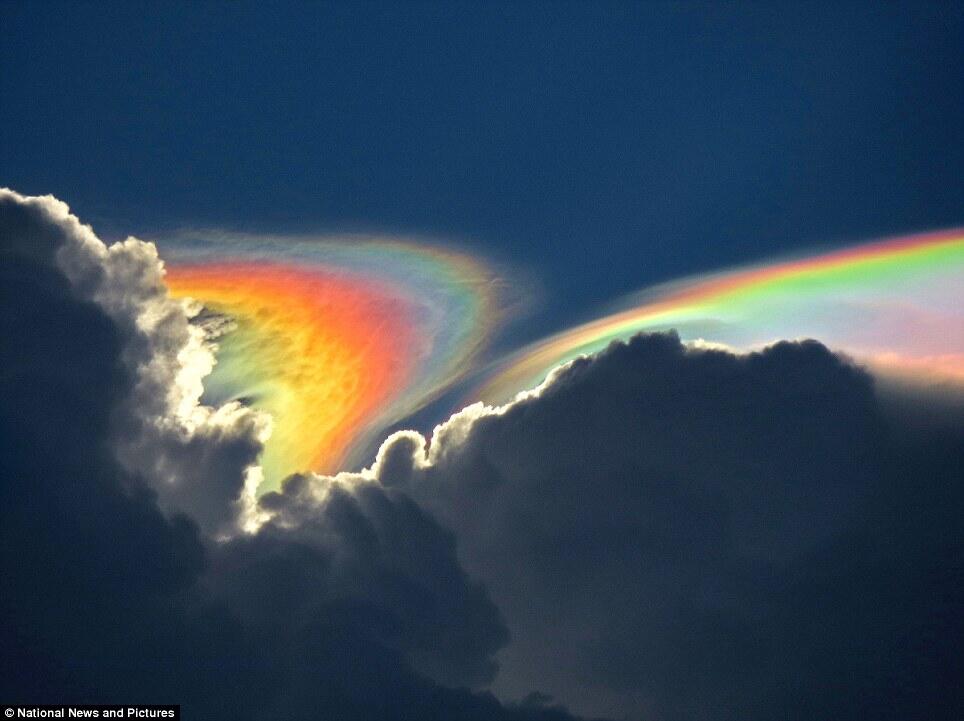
{"points": [[116, 587], [658, 532], [677, 533], [193, 456]]}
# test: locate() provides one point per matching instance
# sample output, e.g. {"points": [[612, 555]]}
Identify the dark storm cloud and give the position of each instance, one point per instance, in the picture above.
{"points": [[350, 605], [89, 562], [682, 534], [657, 533]]}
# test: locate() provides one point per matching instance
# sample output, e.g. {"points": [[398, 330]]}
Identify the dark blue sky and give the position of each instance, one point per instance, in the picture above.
{"points": [[601, 147]]}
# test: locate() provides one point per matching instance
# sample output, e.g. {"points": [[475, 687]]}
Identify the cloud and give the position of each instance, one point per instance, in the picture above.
{"points": [[376, 543], [655, 533], [195, 457], [90, 564], [115, 489], [678, 533]]}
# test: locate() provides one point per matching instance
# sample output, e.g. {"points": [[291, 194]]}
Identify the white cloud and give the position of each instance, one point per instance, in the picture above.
{"points": [[196, 457]]}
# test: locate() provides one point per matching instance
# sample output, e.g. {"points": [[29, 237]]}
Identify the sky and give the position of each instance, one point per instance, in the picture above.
{"points": [[667, 139], [290, 249]]}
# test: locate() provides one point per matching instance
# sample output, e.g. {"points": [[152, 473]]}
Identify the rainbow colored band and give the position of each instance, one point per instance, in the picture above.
{"points": [[335, 340], [897, 304]]}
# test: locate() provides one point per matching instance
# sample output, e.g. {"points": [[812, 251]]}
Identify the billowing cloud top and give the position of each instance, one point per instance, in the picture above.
{"points": [[679, 533], [123, 576]]}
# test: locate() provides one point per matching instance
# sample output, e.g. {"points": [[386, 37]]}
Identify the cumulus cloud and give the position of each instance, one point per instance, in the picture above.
{"points": [[118, 581], [678, 533], [656, 533], [195, 457]]}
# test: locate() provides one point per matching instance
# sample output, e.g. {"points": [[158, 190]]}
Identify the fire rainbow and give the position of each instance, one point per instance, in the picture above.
{"points": [[335, 339], [896, 305]]}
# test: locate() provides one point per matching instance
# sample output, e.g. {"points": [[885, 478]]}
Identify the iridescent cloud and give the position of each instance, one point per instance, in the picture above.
{"points": [[896, 305], [334, 339]]}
